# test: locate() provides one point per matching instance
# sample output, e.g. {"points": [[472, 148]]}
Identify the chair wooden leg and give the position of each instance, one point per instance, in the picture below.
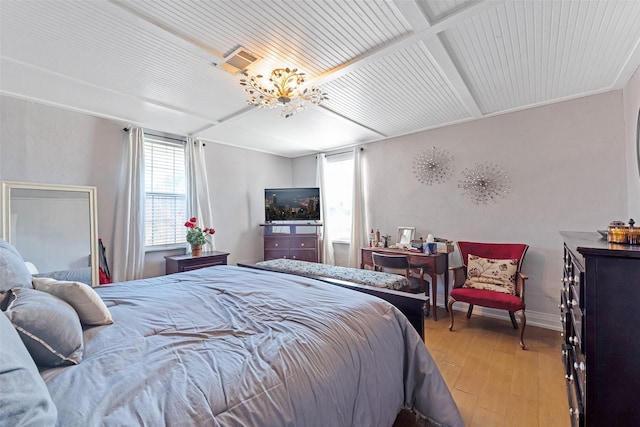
{"points": [[513, 320], [469, 311], [449, 305], [523, 323]]}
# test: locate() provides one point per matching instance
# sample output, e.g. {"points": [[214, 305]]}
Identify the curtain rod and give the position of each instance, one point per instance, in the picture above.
{"points": [[163, 136], [342, 152]]}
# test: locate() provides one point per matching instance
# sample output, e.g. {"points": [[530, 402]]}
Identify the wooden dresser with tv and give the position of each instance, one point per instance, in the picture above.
{"points": [[600, 312], [297, 241]]}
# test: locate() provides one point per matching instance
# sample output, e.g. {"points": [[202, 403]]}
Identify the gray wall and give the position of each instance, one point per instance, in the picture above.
{"points": [[45, 144], [568, 172]]}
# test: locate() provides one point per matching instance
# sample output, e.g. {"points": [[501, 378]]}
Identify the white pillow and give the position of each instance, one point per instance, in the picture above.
{"points": [[497, 275], [87, 303]]}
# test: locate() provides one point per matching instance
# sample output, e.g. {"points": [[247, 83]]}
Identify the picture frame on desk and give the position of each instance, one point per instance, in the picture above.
{"points": [[405, 236]]}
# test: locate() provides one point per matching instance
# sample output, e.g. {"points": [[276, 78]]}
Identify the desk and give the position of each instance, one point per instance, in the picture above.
{"points": [[434, 264]]}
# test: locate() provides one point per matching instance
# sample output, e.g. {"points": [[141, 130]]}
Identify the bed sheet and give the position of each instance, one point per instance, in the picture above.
{"points": [[231, 346]]}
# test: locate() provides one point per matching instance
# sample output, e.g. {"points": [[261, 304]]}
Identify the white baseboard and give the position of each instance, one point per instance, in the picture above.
{"points": [[534, 318]]}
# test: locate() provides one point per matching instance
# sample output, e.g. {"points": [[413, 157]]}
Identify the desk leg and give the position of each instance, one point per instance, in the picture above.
{"points": [[434, 294]]}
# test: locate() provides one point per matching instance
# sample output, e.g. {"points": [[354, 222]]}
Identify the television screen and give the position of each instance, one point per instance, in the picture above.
{"points": [[292, 204]]}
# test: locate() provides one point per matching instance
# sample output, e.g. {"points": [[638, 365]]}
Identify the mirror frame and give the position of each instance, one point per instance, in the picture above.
{"points": [[5, 227], [638, 141], [401, 232]]}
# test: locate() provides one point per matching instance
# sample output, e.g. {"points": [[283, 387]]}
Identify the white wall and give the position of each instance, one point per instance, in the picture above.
{"points": [[41, 143], [631, 95], [568, 172]]}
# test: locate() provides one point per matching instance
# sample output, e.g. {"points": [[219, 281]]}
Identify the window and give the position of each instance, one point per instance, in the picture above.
{"points": [[165, 191], [339, 194]]}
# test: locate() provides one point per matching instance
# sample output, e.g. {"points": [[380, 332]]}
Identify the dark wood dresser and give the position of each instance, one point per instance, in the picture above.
{"points": [[291, 244], [180, 263], [600, 306]]}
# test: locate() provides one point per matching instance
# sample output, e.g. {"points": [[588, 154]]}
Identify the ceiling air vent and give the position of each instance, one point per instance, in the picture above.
{"points": [[238, 60]]}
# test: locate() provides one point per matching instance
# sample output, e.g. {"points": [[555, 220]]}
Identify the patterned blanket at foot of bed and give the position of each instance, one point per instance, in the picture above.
{"points": [[355, 275]]}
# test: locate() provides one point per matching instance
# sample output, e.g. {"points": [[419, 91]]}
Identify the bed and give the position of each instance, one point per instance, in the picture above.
{"points": [[382, 285], [233, 346]]}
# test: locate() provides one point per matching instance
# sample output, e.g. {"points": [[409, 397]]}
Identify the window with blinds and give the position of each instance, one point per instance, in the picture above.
{"points": [[165, 191]]}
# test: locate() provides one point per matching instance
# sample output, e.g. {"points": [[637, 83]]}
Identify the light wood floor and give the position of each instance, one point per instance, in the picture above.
{"points": [[493, 381]]}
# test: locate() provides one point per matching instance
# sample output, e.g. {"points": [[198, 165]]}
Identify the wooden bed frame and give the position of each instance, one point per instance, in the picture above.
{"points": [[411, 305]]}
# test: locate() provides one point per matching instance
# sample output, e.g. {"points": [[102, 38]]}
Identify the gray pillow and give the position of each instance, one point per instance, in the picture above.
{"points": [[13, 272], [24, 395], [87, 303], [49, 327]]}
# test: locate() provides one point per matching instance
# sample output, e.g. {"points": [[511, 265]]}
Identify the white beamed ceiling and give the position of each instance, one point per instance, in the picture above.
{"points": [[389, 67]]}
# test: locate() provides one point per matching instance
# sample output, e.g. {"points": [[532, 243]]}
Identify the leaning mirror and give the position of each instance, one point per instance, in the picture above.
{"points": [[405, 236], [54, 227]]}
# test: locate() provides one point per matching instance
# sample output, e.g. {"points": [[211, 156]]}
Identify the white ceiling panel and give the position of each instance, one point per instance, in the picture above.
{"points": [[440, 9], [401, 92], [23, 81], [264, 130], [307, 34], [524, 53], [390, 67]]}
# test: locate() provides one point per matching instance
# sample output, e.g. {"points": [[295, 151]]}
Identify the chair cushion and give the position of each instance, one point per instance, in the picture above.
{"points": [[487, 298], [498, 275]]}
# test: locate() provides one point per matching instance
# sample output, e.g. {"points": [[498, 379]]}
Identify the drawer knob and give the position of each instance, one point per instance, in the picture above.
{"points": [[301, 244], [275, 245]]}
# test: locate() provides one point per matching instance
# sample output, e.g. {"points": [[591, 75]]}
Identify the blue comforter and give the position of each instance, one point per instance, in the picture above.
{"points": [[230, 346]]}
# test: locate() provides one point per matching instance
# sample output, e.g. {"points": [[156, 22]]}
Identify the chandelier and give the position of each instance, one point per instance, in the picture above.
{"points": [[283, 90]]}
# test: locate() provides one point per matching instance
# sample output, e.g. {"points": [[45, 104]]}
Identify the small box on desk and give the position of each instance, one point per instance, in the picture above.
{"points": [[443, 245]]}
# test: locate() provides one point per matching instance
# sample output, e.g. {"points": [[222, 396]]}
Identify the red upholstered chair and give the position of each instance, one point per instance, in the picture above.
{"points": [[513, 303]]}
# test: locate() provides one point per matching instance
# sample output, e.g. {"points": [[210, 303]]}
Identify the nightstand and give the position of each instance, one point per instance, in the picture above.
{"points": [[180, 263]]}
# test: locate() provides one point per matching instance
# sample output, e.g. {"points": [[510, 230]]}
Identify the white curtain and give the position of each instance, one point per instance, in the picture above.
{"points": [[128, 239], [199, 204], [326, 246], [359, 235]]}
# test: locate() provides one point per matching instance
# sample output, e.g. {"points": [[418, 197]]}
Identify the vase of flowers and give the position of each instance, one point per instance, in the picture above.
{"points": [[197, 236]]}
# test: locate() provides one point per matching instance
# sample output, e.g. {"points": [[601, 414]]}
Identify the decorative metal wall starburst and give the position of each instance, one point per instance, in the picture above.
{"points": [[433, 165], [485, 183]]}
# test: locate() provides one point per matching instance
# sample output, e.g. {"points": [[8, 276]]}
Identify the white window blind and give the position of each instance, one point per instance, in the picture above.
{"points": [[165, 191]]}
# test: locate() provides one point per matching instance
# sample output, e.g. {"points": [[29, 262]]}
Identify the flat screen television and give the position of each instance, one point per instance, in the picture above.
{"points": [[292, 204]]}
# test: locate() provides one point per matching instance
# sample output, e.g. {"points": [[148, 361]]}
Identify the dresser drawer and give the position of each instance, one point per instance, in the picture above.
{"points": [[575, 394], [273, 242], [302, 243], [303, 255], [275, 254]]}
